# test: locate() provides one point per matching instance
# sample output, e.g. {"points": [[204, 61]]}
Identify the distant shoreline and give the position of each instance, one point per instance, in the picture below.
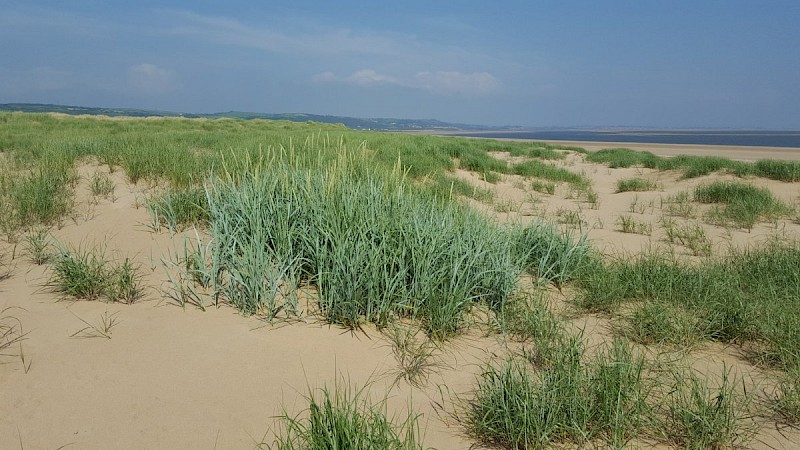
{"points": [[739, 137], [738, 152]]}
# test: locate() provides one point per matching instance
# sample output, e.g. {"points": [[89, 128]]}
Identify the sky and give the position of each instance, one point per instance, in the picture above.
{"points": [[697, 63]]}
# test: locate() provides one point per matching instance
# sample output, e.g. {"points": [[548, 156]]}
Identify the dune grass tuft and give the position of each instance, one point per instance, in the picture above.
{"points": [[101, 185], [179, 208], [635, 185], [549, 172], [786, 403], [86, 274], [663, 323], [343, 417], [527, 318], [6, 267], [788, 171], [414, 355], [629, 224], [448, 187], [568, 400], [744, 204], [543, 187], [549, 254], [622, 158], [38, 243], [41, 196], [555, 394], [699, 416]]}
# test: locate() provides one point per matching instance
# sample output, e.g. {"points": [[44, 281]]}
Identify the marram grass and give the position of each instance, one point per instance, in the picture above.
{"points": [[567, 401], [374, 246], [344, 417], [42, 150], [86, 274]]}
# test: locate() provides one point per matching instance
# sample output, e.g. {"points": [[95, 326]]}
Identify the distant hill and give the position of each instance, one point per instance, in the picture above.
{"points": [[350, 122]]}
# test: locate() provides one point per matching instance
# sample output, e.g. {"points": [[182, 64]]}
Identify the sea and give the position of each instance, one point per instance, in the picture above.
{"points": [[748, 138]]}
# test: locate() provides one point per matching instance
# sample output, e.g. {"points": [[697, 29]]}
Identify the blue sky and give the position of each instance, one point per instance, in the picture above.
{"points": [[699, 63]]}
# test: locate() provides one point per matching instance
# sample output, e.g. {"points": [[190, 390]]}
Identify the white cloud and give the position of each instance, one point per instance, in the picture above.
{"points": [[369, 77], [476, 83], [150, 79], [365, 78], [442, 83], [324, 77]]}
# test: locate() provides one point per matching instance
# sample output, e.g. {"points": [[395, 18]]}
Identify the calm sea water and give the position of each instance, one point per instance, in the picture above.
{"points": [[739, 137]]}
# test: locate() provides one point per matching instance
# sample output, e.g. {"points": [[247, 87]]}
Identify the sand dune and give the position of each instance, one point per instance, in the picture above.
{"points": [[172, 377]]}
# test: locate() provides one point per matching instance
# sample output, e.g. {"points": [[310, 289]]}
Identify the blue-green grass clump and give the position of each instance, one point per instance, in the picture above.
{"points": [[374, 246], [549, 254]]}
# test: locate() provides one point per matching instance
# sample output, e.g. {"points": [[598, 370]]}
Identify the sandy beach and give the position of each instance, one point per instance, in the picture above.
{"points": [[172, 377], [455, 225]]}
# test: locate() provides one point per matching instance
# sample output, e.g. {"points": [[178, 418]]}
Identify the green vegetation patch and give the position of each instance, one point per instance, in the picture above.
{"points": [[539, 150], [39, 196], [655, 322], [745, 296], [543, 187], [85, 274], [539, 169], [178, 208], [545, 153], [695, 166], [744, 204], [628, 224], [549, 254], [343, 417], [778, 170], [375, 247], [449, 186], [553, 393], [569, 400], [42, 150], [623, 157], [635, 185], [698, 416]]}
